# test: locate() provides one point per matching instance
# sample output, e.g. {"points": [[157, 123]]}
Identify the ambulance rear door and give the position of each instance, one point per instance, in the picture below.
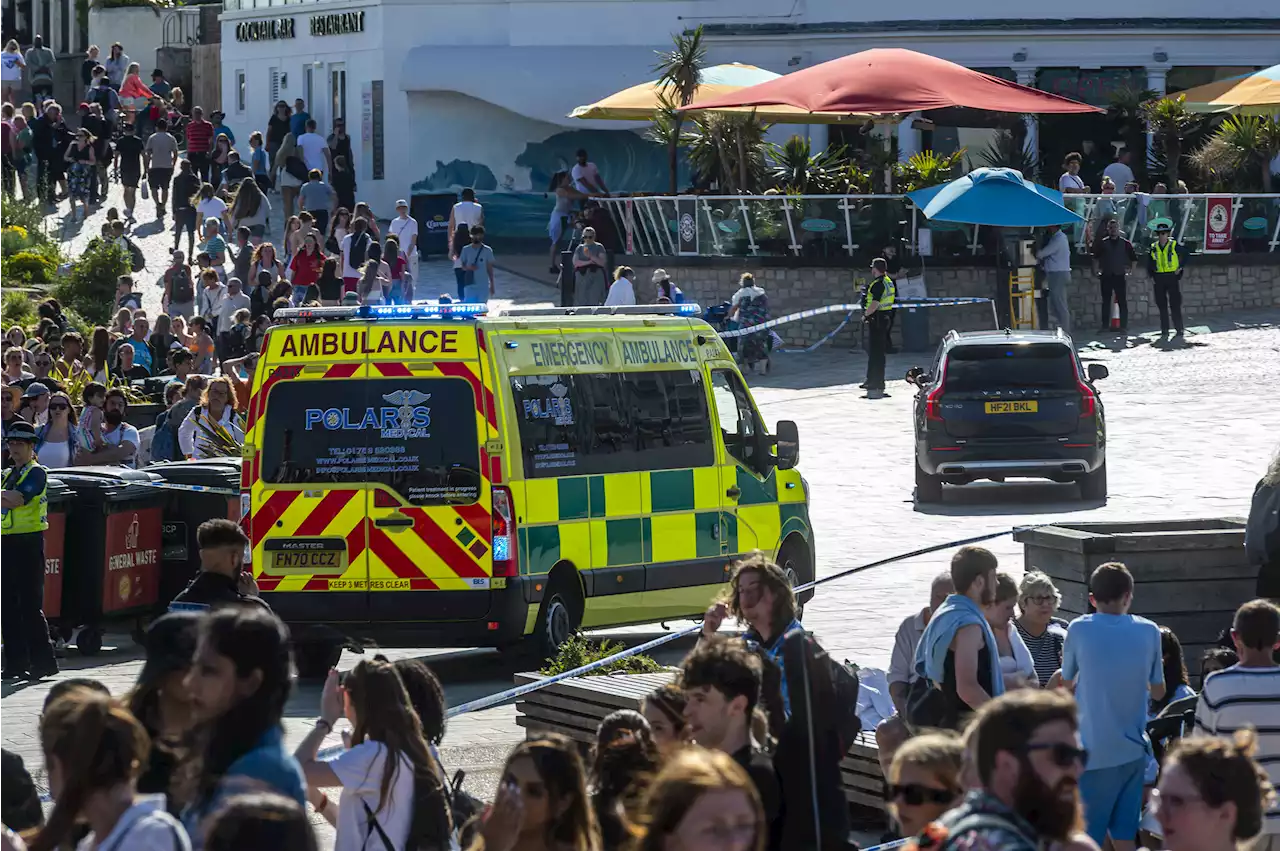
{"points": [[429, 500]]}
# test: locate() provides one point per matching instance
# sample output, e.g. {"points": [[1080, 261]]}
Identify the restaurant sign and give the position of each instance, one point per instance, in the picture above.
{"points": [[340, 23], [267, 30]]}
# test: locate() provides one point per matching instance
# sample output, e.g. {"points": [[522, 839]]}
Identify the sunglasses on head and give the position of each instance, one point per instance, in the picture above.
{"points": [[914, 794], [1062, 754]]}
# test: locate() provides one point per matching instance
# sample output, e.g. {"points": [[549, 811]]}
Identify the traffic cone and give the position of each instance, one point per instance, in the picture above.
{"points": [[1115, 314]]}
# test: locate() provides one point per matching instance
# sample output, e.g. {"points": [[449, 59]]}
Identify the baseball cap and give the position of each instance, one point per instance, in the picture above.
{"points": [[83, 105], [36, 388], [171, 645], [21, 430], [401, 203]]}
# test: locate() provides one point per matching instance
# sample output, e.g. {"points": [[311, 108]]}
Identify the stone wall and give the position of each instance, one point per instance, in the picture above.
{"points": [[1207, 287]]}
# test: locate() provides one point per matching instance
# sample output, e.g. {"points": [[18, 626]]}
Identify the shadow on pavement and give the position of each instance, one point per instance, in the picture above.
{"points": [[995, 499]]}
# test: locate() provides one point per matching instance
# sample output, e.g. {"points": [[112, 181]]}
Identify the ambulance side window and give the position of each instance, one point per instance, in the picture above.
{"points": [[673, 425], [739, 424]]}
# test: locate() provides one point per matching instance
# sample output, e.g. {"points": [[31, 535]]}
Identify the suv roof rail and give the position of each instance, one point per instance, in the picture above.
{"points": [[687, 309]]}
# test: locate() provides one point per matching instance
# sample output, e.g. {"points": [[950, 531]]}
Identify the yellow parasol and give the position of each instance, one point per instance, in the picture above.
{"points": [[1257, 93]]}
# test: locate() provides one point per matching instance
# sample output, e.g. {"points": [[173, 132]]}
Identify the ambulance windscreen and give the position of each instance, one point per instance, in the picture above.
{"points": [[417, 436]]}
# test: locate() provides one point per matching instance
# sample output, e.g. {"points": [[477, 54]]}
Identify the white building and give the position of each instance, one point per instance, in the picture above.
{"points": [[444, 95]]}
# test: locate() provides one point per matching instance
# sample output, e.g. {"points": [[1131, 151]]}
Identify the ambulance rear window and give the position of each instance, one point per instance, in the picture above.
{"points": [[415, 435]]}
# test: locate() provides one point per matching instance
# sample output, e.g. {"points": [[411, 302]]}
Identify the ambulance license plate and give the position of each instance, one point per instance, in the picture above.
{"points": [[1013, 407], [308, 556]]}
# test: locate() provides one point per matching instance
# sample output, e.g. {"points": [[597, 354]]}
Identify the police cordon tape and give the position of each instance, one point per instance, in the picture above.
{"points": [[852, 308], [173, 486]]}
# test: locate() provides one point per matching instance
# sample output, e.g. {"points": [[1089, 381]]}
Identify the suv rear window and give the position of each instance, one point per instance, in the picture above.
{"points": [[1041, 366], [415, 435]]}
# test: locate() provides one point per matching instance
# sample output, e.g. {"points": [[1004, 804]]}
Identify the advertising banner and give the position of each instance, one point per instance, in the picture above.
{"points": [[54, 547], [1219, 220], [687, 226], [131, 574]]}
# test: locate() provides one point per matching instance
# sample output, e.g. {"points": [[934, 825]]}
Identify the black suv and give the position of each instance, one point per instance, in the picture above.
{"points": [[1008, 404]]}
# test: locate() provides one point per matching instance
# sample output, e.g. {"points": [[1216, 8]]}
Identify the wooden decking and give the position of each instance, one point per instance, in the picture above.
{"points": [[575, 708]]}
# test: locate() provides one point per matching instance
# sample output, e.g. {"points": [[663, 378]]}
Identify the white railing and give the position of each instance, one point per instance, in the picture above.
{"points": [[849, 225]]}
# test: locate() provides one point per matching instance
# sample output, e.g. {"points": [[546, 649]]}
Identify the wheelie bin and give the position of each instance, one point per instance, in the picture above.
{"points": [[184, 511], [112, 558], [60, 497]]}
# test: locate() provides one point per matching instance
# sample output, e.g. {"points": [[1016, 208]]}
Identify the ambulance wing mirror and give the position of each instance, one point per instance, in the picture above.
{"points": [[787, 437]]}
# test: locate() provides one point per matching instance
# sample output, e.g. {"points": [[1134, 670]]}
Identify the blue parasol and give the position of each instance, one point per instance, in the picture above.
{"points": [[1001, 197]]}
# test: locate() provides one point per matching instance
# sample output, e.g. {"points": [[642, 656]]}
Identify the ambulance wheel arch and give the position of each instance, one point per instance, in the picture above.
{"points": [[795, 559], [561, 610]]}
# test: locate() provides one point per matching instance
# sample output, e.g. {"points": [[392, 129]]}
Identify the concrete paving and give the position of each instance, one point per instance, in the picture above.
{"points": [[1190, 432]]}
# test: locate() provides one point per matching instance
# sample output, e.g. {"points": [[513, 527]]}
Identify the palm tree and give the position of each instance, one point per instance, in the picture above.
{"points": [[679, 75], [1252, 141], [729, 149], [1008, 149], [1170, 121], [1126, 110], [928, 169], [795, 169]]}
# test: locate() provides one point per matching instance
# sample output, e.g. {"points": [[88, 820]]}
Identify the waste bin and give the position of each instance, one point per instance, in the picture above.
{"points": [[184, 511], [54, 541], [112, 561], [913, 322]]}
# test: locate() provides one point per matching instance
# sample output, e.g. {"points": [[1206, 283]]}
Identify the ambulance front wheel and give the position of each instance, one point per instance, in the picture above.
{"points": [[558, 618], [313, 659], [793, 558], [89, 641]]}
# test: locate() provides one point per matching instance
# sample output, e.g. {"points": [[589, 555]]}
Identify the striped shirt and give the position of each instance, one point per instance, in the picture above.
{"points": [[1046, 648], [199, 137], [1239, 697]]}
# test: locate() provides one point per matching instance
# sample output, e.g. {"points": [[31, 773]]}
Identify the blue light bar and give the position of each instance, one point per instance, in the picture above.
{"points": [[418, 310], [690, 309]]}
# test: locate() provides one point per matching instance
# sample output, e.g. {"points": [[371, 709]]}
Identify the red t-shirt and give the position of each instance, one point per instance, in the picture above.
{"points": [[306, 268], [199, 136]]}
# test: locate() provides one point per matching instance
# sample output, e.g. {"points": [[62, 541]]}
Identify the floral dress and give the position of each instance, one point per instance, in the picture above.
{"points": [[80, 175], [753, 311]]}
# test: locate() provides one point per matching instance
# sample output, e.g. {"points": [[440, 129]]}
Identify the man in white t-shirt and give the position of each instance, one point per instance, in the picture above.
{"points": [[405, 229], [586, 177], [120, 440], [315, 150], [1070, 182]]}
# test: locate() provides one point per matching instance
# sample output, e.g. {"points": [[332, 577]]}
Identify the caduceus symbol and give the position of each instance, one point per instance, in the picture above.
{"points": [[406, 400]]}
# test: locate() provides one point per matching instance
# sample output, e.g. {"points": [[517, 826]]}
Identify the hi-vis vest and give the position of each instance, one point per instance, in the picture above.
{"points": [[1166, 258], [31, 516], [886, 299]]}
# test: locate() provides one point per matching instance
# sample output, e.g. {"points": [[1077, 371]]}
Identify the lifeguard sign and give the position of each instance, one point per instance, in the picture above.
{"points": [[1219, 221]]}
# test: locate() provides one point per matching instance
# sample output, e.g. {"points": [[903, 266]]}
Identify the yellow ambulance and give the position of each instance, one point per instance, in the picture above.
{"points": [[431, 475]]}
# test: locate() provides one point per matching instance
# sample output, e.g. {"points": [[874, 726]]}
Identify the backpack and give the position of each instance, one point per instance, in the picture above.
{"points": [[137, 260], [1262, 534], [927, 705], [162, 442], [296, 167], [181, 288], [359, 250]]}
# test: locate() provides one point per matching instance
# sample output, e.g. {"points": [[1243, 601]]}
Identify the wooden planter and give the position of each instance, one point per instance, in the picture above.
{"points": [[1189, 575], [575, 707]]}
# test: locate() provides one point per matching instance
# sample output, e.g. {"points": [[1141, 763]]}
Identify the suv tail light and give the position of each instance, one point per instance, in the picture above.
{"points": [[503, 526], [933, 407], [1088, 399]]}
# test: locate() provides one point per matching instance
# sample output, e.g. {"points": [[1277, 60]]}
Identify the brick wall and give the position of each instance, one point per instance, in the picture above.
{"points": [[1206, 288]]}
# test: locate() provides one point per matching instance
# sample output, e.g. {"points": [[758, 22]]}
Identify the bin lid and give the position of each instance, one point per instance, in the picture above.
{"points": [[210, 472], [116, 484], [58, 492]]}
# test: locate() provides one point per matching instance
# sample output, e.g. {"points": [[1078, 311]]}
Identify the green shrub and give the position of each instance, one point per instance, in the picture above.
{"points": [[579, 651], [18, 309], [30, 268], [90, 289], [28, 215]]}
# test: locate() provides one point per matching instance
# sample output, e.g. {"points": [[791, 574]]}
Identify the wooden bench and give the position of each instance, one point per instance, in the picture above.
{"points": [[575, 707]]}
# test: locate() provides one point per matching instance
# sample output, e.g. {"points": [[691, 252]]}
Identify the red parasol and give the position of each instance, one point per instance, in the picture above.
{"points": [[893, 80]]}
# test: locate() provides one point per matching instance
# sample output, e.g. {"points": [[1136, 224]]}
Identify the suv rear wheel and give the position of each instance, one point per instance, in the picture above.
{"points": [[1093, 486], [928, 488]]}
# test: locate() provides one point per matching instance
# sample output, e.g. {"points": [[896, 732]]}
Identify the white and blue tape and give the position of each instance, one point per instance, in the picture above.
{"points": [[851, 309]]}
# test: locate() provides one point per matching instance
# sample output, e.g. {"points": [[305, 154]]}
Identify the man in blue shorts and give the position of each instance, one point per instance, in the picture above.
{"points": [[1115, 661]]}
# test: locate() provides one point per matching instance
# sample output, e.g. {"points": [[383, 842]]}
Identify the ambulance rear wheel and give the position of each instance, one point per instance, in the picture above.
{"points": [[89, 641], [313, 659], [558, 618], [793, 558]]}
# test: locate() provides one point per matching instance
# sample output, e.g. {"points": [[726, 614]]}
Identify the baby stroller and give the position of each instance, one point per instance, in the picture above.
{"points": [[717, 316]]}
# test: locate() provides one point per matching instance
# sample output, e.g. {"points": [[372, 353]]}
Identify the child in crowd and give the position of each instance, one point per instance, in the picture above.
{"points": [[241, 335], [201, 346], [95, 396]]}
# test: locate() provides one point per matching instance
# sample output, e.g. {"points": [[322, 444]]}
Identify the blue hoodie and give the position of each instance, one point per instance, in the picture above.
{"points": [[931, 653]]}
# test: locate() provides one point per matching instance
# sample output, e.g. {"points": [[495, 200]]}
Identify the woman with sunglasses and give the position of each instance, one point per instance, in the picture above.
{"points": [[57, 439], [924, 780], [1212, 795], [14, 366], [1042, 633], [81, 171]]}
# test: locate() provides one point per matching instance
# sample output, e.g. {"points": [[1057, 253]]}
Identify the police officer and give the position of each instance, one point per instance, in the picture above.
{"points": [[876, 306], [27, 651], [1164, 265]]}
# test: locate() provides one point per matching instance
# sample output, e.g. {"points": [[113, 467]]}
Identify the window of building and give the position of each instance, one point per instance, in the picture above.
{"points": [[338, 92], [242, 94]]}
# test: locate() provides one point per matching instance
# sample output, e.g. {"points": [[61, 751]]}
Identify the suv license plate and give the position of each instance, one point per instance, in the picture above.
{"points": [[1012, 407]]}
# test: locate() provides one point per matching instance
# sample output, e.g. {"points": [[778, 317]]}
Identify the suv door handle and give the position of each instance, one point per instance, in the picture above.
{"points": [[733, 492], [395, 521]]}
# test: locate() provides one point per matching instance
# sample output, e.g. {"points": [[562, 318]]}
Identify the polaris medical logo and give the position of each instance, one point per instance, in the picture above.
{"points": [[404, 418]]}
